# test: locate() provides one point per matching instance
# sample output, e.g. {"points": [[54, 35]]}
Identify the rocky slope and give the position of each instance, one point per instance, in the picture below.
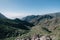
{"points": [[29, 26], [48, 24]]}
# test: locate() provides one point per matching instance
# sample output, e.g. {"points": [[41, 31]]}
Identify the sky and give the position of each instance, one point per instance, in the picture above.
{"points": [[22, 8]]}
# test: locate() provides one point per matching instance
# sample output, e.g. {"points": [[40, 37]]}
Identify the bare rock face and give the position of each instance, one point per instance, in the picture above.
{"points": [[41, 37], [45, 38], [37, 37]]}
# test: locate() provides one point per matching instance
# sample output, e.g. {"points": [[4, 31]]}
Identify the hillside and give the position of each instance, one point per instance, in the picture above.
{"points": [[2, 16], [13, 28], [48, 24], [35, 19]]}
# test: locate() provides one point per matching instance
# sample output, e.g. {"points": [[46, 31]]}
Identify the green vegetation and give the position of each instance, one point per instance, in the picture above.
{"points": [[42, 25], [13, 28]]}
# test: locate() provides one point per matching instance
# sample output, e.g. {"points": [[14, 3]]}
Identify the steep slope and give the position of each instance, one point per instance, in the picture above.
{"points": [[2, 16], [43, 24], [13, 28], [29, 18], [35, 19], [46, 25]]}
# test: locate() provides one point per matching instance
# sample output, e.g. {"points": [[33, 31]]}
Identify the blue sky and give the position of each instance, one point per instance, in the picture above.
{"points": [[21, 8]]}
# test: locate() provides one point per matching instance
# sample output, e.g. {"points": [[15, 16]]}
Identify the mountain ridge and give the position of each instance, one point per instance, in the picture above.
{"points": [[13, 27], [48, 24], [37, 17]]}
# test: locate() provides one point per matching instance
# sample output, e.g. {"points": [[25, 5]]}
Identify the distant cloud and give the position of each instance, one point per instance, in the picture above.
{"points": [[13, 15]]}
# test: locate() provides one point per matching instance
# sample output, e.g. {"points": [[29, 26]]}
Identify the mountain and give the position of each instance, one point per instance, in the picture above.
{"points": [[35, 19], [29, 18], [2, 16], [48, 24], [13, 27]]}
